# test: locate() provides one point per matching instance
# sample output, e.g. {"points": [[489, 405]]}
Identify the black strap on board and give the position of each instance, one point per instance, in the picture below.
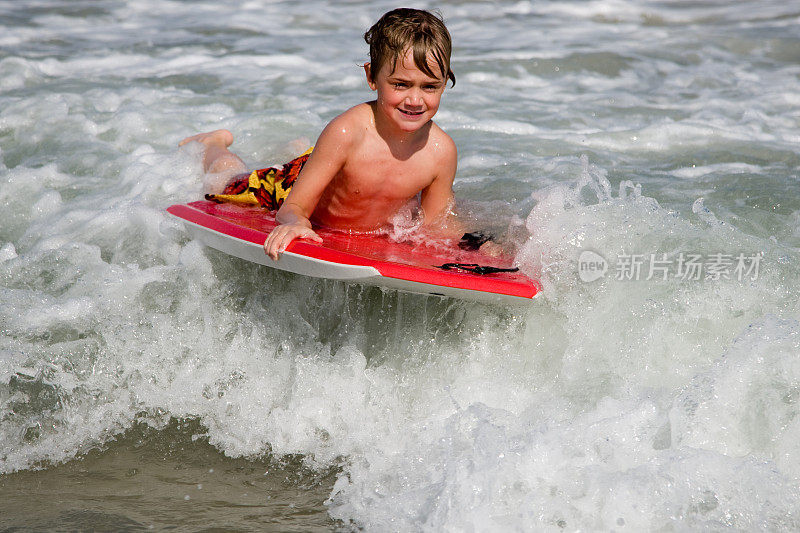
{"points": [[475, 268]]}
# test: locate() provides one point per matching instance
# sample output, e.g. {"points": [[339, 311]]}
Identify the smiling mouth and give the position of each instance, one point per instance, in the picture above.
{"points": [[411, 113]]}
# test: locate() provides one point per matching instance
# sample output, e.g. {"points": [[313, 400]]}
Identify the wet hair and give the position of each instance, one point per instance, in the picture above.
{"points": [[404, 28]]}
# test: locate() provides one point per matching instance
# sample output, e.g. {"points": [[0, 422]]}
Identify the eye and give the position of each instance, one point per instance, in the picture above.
{"points": [[399, 85]]}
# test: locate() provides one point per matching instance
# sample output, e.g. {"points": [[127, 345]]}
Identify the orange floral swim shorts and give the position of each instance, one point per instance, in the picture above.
{"points": [[267, 187]]}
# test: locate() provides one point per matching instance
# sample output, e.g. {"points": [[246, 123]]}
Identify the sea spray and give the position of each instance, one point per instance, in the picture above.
{"points": [[598, 408]]}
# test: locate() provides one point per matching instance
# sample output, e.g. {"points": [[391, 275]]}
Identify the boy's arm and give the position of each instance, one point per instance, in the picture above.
{"points": [[437, 204], [328, 157], [437, 198]]}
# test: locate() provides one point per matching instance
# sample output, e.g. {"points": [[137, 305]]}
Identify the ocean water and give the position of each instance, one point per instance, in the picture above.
{"points": [[640, 158]]}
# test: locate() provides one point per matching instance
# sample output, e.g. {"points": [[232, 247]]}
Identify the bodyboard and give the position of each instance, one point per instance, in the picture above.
{"points": [[367, 258]]}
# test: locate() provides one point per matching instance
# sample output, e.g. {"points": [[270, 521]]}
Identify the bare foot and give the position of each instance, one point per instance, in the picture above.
{"points": [[217, 159], [298, 146], [222, 138]]}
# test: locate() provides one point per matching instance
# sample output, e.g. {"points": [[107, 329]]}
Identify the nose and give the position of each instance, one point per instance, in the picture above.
{"points": [[414, 98]]}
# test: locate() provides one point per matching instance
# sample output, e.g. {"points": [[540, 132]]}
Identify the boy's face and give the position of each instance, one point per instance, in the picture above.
{"points": [[408, 97]]}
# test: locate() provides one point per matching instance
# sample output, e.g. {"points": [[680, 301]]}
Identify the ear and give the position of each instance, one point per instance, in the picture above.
{"points": [[370, 80]]}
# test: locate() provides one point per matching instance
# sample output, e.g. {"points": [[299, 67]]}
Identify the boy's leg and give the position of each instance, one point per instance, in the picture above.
{"points": [[217, 159]]}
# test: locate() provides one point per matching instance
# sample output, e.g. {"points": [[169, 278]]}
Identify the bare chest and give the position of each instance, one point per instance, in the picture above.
{"points": [[378, 176]]}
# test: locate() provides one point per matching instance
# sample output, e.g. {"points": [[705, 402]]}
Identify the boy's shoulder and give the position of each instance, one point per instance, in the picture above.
{"points": [[440, 146], [342, 134], [358, 115], [351, 124], [441, 138]]}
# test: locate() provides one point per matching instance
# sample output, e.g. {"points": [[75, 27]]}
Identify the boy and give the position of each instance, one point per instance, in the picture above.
{"points": [[377, 156]]}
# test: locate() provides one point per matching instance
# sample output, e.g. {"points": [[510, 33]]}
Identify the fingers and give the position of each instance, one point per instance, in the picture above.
{"points": [[276, 242], [283, 235]]}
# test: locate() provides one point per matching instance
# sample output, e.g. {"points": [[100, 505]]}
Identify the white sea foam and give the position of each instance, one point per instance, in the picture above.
{"points": [[7, 252]]}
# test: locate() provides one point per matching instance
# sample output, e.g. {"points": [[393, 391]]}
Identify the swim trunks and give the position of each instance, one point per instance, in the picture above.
{"points": [[267, 187]]}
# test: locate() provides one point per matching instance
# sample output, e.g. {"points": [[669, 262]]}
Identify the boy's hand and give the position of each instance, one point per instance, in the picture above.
{"points": [[282, 235]]}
